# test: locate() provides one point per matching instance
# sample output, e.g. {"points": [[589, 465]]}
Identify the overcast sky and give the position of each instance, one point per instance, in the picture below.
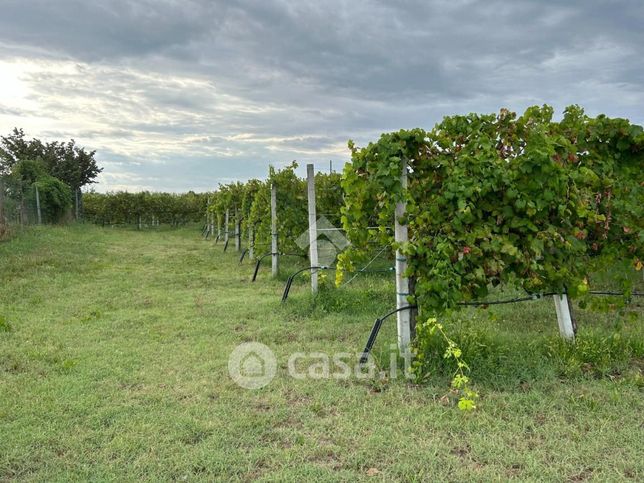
{"points": [[184, 94]]}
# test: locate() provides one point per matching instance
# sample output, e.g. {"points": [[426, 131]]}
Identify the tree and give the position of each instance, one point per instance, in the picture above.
{"points": [[72, 164], [25, 173], [15, 148], [66, 161]]}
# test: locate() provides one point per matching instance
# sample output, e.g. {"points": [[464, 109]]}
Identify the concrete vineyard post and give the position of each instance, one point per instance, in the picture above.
{"points": [[402, 283], [226, 220], [313, 228], [564, 317], [237, 231]]}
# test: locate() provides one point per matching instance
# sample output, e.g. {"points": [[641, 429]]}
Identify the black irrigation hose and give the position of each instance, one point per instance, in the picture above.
{"points": [[378, 323], [374, 332], [259, 261], [289, 282], [376, 326]]}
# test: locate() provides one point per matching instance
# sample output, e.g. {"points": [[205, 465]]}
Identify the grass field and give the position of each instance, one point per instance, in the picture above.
{"points": [[113, 366]]}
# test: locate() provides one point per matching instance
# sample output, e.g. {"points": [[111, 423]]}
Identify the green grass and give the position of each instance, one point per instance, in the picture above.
{"points": [[113, 366]]}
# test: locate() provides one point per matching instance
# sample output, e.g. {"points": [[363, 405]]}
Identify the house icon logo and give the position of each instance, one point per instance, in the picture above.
{"points": [[330, 241], [252, 365]]}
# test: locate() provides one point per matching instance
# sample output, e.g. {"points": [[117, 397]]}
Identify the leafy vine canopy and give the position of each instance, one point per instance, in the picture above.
{"points": [[502, 199]]}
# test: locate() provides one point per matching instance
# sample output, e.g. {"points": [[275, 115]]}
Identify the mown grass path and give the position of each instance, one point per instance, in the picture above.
{"points": [[113, 366]]}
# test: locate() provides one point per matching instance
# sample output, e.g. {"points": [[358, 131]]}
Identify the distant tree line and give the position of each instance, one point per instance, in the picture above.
{"points": [[56, 171]]}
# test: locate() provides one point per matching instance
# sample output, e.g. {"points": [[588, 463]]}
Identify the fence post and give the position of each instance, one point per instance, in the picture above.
{"points": [[274, 247], [402, 283], [38, 212], [564, 317], [218, 228], [313, 227]]}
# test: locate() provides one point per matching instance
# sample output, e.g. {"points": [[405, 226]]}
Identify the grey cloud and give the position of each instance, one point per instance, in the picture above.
{"points": [[222, 88], [92, 30]]}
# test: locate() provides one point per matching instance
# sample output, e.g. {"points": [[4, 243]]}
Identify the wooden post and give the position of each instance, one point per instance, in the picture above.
{"points": [[226, 221], [38, 212], [402, 283], [564, 317], [313, 227], [218, 228], [139, 222], [237, 231], [274, 247]]}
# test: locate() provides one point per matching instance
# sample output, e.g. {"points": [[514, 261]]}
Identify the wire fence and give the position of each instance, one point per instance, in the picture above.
{"points": [[28, 208], [25, 206]]}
